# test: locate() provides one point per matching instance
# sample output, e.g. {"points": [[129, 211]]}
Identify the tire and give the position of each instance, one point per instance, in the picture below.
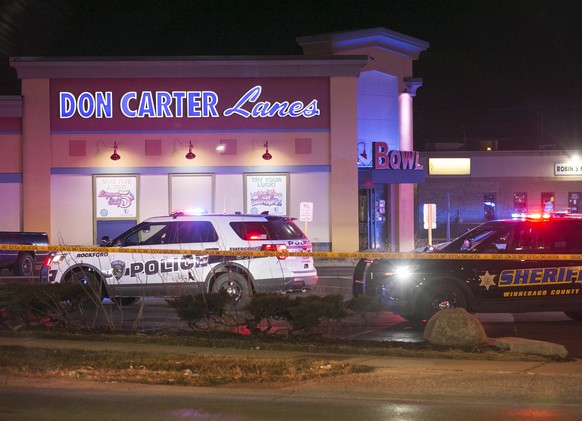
{"points": [[574, 315], [93, 286], [235, 285], [439, 298], [124, 301], [24, 265]]}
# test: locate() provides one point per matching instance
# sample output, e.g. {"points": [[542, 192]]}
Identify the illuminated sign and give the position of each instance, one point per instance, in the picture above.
{"points": [[214, 104], [567, 168], [190, 104], [385, 159], [449, 166]]}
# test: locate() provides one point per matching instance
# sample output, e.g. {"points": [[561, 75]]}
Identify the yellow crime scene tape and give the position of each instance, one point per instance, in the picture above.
{"points": [[324, 255]]}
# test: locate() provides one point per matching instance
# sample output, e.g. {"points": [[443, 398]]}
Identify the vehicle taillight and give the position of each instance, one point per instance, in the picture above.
{"points": [[48, 260], [256, 236], [279, 248]]}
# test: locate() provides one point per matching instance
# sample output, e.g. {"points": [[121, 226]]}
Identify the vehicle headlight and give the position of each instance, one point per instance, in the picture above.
{"points": [[402, 273]]}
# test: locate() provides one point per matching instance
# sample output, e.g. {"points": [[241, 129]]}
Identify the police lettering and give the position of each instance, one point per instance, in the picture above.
{"points": [[80, 255], [540, 276], [152, 267]]}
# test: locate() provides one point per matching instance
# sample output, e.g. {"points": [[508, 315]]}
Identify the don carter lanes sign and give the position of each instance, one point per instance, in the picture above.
{"points": [[190, 104]]}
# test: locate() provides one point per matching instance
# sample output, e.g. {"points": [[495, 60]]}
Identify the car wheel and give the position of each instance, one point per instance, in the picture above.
{"points": [[235, 285], [93, 286], [124, 301], [574, 315], [24, 265], [440, 298]]}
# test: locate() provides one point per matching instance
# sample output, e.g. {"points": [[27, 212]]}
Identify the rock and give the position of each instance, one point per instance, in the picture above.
{"points": [[454, 327], [530, 346]]}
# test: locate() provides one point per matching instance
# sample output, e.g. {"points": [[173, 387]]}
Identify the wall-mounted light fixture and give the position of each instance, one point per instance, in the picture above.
{"points": [[267, 156], [363, 154], [115, 156], [190, 154]]}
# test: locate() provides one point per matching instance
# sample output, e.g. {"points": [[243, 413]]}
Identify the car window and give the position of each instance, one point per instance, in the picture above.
{"points": [[470, 240], [267, 230], [196, 232], [146, 234]]}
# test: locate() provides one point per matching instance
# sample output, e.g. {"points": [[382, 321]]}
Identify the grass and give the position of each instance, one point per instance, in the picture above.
{"points": [[149, 368], [322, 358]]}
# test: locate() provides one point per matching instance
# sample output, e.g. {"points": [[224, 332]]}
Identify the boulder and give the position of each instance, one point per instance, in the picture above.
{"points": [[454, 327]]}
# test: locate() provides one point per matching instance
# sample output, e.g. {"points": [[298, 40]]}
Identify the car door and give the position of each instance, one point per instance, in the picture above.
{"points": [[195, 236], [144, 272]]}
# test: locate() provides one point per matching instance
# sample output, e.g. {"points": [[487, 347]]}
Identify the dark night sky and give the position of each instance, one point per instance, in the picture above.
{"points": [[509, 70]]}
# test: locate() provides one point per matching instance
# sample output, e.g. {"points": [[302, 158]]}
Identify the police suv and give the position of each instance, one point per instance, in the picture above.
{"points": [[124, 276], [505, 266]]}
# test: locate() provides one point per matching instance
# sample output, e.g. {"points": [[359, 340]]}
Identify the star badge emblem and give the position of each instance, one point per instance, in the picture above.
{"points": [[487, 280]]}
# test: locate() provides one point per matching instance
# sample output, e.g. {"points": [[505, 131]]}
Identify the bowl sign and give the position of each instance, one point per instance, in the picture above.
{"points": [[385, 159]]}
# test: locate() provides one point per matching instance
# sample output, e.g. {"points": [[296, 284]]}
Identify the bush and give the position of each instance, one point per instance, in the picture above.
{"points": [[364, 304], [301, 313], [266, 307], [201, 310], [295, 314], [29, 304], [308, 312]]}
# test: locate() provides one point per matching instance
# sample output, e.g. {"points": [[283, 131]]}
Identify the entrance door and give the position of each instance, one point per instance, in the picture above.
{"points": [[372, 217]]}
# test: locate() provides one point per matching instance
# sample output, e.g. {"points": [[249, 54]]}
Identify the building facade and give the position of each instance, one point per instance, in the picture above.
{"points": [[471, 187], [93, 146]]}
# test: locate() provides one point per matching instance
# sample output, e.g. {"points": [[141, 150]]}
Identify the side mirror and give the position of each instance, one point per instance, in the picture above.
{"points": [[105, 239], [467, 244]]}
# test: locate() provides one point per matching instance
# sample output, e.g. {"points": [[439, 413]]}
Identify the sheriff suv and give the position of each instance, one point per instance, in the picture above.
{"points": [[505, 266], [124, 277]]}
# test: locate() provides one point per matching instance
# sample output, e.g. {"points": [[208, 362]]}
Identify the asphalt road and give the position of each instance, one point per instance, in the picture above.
{"points": [[78, 401]]}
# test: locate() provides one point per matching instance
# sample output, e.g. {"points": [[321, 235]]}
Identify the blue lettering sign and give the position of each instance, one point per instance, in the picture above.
{"points": [[267, 109], [179, 104], [87, 105], [179, 97], [125, 106], [251, 96], [164, 100], [146, 105], [67, 104]]}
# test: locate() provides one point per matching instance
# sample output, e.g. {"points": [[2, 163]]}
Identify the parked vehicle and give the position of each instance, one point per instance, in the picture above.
{"points": [[23, 262], [538, 269], [126, 276]]}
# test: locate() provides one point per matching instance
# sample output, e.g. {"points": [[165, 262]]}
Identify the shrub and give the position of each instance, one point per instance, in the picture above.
{"points": [[308, 312], [267, 307], [28, 304], [201, 310]]}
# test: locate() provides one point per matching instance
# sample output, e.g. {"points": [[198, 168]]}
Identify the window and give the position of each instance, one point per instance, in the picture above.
{"points": [[488, 239], [196, 232], [267, 230], [520, 203], [145, 233], [489, 206], [548, 200], [574, 202]]}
